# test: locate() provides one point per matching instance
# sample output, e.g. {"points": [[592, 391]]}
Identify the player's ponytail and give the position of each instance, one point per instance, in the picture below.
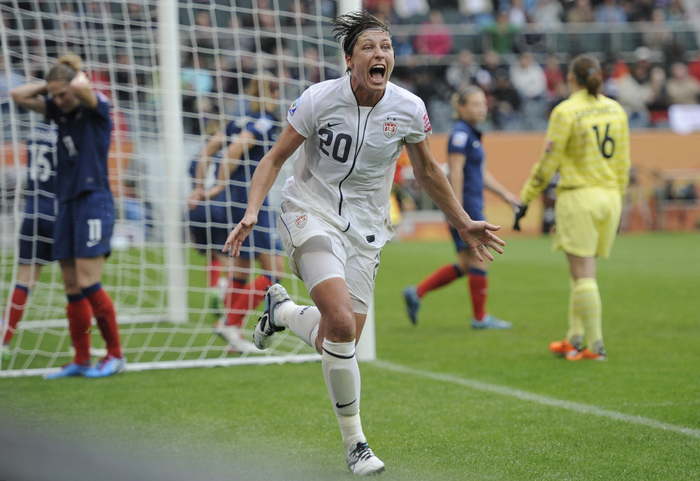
{"points": [[587, 72], [67, 67], [460, 98]]}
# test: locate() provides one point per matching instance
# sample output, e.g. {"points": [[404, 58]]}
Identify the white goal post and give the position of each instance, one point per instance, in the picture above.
{"points": [[175, 72]]}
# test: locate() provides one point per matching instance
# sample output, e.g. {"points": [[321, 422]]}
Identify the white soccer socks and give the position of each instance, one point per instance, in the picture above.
{"points": [[301, 320], [342, 376]]}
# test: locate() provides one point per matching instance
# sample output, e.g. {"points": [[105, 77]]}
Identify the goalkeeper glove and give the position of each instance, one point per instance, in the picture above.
{"points": [[520, 211]]}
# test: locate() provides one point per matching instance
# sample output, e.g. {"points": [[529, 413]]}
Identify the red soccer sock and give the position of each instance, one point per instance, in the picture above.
{"points": [[439, 278], [17, 303], [79, 314], [478, 287], [235, 289], [106, 317], [251, 296], [214, 272]]}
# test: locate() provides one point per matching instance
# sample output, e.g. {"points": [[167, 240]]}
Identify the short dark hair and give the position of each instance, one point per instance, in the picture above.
{"points": [[349, 27]]}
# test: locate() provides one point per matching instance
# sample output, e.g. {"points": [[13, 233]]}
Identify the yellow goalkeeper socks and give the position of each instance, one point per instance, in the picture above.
{"points": [[586, 306], [576, 330]]}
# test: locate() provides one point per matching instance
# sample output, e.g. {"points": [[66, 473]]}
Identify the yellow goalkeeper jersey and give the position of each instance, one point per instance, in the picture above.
{"points": [[588, 142]]}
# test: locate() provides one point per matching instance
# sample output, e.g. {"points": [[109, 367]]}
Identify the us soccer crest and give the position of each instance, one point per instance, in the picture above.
{"points": [[300, 222], [390, 127]]}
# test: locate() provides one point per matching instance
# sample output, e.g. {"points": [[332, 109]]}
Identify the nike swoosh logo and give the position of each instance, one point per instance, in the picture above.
{"points": [[92, 243], [341, 406], [330, 125]]}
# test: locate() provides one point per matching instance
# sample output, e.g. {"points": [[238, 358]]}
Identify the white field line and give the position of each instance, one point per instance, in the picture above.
{"points": [[544, 400]]}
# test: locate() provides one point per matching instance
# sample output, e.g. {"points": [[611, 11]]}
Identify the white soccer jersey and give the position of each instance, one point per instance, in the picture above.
{"points": [[346, 165]]}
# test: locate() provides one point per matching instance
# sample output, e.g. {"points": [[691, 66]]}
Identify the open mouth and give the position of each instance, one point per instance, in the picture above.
{"points": [[377, 72]]}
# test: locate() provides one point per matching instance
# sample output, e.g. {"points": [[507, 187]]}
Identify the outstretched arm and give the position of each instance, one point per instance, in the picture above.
{"points": [[497, 188], [31, 96], [434, 182], [263, 179]]}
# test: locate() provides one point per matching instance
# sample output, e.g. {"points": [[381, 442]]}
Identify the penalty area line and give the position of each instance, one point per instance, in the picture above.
{"points": [[536, 398]]}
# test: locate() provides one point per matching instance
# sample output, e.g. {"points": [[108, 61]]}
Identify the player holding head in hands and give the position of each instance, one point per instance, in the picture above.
{"points": [[85, 217], [468, 178], [335, 210], [588, 142]]}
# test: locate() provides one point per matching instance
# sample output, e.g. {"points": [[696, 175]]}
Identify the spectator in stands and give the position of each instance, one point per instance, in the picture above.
{"points": [[408, 9], [197, 84], [633, 93], [516, 14], [640, 10], [461, 72], [659, 36], [675, 12], [581, 12], [477, 12], [202, 31], [548, 14], [96, 15], [265, 23], [614, 70], [8, 81], [659, 101], [299, 15], [530, 81], [505, 109], [681, 87], [434, 37], [384, 11], [500, 36], [610, 12], [554, 75], [694, 67]]}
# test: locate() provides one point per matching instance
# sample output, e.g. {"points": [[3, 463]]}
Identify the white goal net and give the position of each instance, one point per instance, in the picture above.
{"points": [[157, 61]]}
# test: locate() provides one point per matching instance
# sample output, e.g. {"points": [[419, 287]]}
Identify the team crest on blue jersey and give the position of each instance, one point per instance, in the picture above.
{"points": [[293, 107], [390, 127]]}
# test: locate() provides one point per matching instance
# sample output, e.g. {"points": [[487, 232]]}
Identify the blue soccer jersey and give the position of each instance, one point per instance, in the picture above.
{"points": [[84, 136], [40, 194], [264, 131], [37, 231], [466, 140]]}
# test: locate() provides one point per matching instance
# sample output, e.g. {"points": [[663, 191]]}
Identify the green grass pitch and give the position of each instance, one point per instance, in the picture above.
{"points": [[443, 402]]}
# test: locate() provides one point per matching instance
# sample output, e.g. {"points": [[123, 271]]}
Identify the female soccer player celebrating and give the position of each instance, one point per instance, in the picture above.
{"points": [[335, 210], [588, 142], [468, 177], [85, 218]]}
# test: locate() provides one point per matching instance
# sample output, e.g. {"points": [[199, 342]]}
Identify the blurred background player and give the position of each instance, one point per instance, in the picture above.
{"points": [[224, 205], [36, 234], [85, 218], [588, 142], [468, 178], [216, 275]]}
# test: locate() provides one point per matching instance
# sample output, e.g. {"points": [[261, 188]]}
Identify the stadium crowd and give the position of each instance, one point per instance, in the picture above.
{"points": [[505, 50]]}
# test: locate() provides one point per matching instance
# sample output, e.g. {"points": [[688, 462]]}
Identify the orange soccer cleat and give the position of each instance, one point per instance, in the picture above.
{"points": [[563, 348], [586, 355]]}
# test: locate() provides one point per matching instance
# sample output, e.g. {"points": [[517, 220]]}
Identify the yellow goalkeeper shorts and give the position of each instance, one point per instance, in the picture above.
{"points": [[587, 221]]}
